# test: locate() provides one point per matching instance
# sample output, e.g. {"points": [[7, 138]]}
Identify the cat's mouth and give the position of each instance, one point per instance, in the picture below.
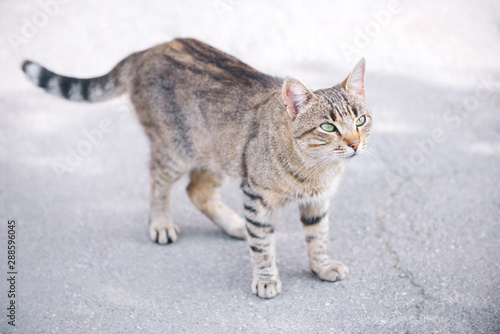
{"points": [[351, 154], [354, 153]]}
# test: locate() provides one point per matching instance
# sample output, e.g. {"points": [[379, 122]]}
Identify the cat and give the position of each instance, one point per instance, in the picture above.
{"points": [[209, 114]]}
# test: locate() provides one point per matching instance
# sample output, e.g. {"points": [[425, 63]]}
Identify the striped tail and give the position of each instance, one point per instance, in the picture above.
{"points": [[91, 90]]}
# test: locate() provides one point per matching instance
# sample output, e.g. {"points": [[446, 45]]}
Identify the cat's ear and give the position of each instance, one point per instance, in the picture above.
{"points": [[296, 96], [355, 82]]}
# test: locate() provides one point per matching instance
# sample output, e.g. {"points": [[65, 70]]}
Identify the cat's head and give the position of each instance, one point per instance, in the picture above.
{"points": [[332, 123]]}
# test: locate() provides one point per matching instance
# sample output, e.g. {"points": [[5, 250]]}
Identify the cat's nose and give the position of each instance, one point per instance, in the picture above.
{"points": [[354, 145]]}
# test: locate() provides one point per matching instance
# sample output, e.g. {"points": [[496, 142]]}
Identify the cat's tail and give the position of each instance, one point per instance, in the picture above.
{"points": [[90, 90]]}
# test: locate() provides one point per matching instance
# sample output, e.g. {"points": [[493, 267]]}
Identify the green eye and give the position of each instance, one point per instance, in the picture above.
{"points": [[328, 127], [361, 121]]}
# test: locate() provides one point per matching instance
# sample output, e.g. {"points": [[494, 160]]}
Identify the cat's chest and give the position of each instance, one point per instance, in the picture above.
{"points": [[288, 189], [315, 189]]}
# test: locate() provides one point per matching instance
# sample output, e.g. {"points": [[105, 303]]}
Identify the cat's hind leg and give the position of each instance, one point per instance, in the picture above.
{"points": [[204, 191], [161, 228], [314, 218]]}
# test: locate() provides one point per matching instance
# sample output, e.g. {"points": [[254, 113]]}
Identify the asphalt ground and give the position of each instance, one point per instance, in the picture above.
{"points": [[416, 219]]}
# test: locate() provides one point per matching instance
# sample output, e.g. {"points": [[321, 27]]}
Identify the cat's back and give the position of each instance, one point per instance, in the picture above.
{"points": [[196, 61], [200, 100]]}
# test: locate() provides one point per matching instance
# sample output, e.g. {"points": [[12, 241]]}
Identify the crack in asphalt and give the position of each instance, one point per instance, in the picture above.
{"points": [[384, 237]]}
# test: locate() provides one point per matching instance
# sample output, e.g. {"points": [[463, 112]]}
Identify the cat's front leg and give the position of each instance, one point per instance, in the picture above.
{"points": [[314, 218], [260, 236]]}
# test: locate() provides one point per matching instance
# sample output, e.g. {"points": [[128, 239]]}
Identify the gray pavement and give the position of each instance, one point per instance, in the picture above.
{"points": [[416, 219]]}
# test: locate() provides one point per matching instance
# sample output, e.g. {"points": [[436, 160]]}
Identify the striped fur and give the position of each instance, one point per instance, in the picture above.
{"points": [[75, 89], [208, 114]]}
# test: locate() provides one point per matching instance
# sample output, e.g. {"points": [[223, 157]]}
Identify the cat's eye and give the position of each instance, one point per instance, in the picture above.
{"points": [[328, 127], [361, 121]]}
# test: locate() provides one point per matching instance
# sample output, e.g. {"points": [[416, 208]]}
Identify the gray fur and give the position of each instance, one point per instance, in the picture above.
{"points": [[208, 114]]}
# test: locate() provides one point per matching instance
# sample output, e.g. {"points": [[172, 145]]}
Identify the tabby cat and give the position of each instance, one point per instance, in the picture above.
{"points": [[209, 114]]}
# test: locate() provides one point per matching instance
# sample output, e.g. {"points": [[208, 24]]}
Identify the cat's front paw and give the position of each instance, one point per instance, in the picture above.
{"points": [[266, 288], [332, 272], [163, 234]]}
